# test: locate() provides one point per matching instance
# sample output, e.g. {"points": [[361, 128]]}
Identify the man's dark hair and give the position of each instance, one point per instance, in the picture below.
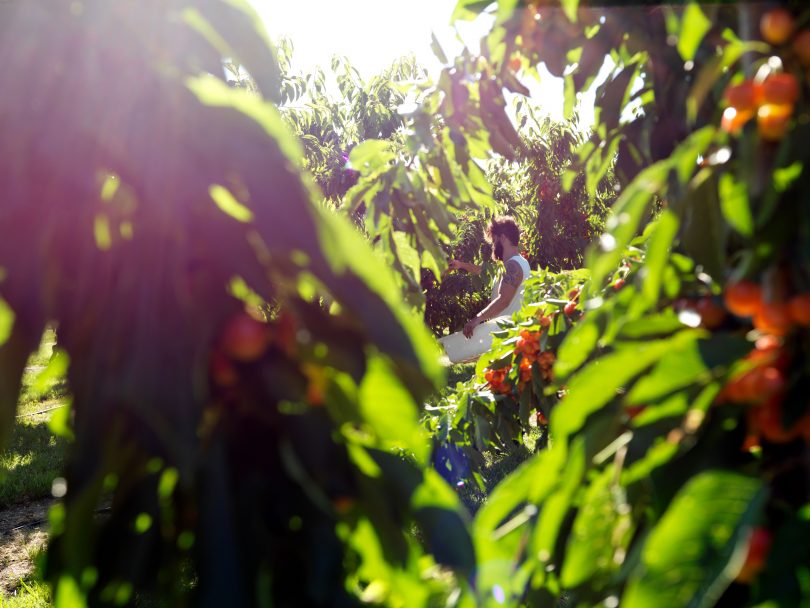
{"points": [[503, 225]]}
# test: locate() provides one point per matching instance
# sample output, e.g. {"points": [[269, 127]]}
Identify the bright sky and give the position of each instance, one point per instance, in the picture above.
{"points": [[373, 33]]}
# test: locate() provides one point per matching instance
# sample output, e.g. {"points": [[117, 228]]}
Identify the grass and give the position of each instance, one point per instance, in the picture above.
{"points": [[34, 456], [31, 594]]}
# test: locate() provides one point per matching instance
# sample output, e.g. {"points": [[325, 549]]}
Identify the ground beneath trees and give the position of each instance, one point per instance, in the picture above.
{"points": [[23, 536]]}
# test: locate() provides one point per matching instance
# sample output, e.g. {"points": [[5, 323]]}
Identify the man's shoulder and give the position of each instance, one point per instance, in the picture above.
{"points": [[513, 274]]}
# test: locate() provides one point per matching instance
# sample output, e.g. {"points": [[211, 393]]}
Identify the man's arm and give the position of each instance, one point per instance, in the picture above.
{"points": [[459, 265], [509, 285]]}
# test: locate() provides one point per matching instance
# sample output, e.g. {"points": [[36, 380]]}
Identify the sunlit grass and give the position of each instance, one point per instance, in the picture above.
{"points": [[31, 594], [34, 456]]}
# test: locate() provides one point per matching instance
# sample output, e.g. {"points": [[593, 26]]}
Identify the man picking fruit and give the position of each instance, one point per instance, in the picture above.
{"points": [[507, 292]]}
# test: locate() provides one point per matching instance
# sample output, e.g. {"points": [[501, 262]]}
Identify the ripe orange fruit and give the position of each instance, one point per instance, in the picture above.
{"points": [[773, 120], [767, 344], [527, 346], [781, 89], [743, 299], [733, 120], [317, 385], [799, 309], [618, 284], [744, 97], [541, 419], [570, 308], [530, 336], [776, 26], [515, 64], [758, 547], [711, 314], [525, 370], [243, 338], [634, 410], [801, 46], [764, 382], [768, 419], [773, 318], [573, 294]]}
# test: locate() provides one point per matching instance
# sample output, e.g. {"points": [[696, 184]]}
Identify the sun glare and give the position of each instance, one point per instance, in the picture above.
{"points": [[372, 34]]}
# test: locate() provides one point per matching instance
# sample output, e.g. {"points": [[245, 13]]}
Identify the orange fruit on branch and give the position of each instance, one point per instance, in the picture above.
{"points": [[743, 97], [634, 410], [743, 299], [570, 308], [734, 120], [781, 89], [711, 314], [243, 338], [799, 309], [801, 46], [759, 545], [773, 318], [773, 120], [764, 382], [767, 418], [776, 26], [541, 419]]}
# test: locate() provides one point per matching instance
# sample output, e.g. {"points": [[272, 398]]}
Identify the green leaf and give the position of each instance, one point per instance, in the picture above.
{"points": [[406, 253], [228, 204], [693, 554], [624, 221], [237, 32], [576, 348], [598, 383], [679, 368], [556, 506], [660, 324], [500, 526], [593, 542], [660, 243], [6, 321], [55, 370], [694, 26], [68, 593], [784, 177], [570, 9], [467, 10], [734, 204], [390, 410], [371, 155], [437, 48]]}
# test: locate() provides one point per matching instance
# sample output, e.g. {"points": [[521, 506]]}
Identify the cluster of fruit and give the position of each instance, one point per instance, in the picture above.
{"points": [[775, 316], [763, 381], [496, 379], [527, 353], [762, 385], [772, 94]]}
